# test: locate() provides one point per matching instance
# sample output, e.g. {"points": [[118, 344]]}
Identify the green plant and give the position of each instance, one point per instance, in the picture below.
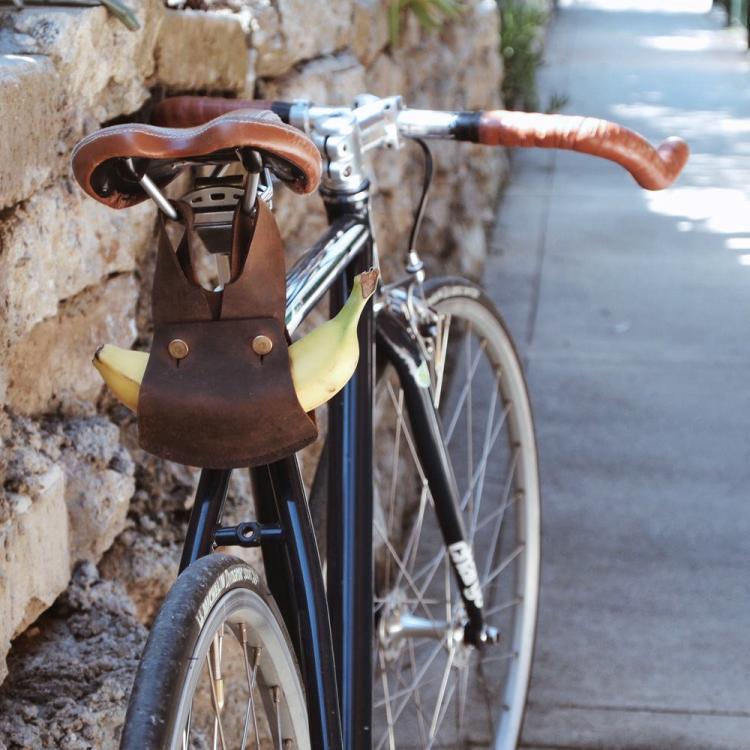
{"points": [[556, 102], [520, 32], [431, 14]]}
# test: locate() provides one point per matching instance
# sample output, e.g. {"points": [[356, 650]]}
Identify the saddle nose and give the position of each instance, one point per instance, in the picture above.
{"points": [[99, 159]]}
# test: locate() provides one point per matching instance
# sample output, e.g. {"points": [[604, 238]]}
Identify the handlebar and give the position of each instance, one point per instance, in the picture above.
{"points": [[652, 168]]}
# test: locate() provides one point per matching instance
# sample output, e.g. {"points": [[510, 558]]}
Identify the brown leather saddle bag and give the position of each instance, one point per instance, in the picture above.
{"points": [[218, 391]]}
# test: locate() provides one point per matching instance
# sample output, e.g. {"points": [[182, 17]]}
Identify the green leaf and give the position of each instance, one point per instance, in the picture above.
{"points": [[422, 12], [394, 21], [431, 14]]}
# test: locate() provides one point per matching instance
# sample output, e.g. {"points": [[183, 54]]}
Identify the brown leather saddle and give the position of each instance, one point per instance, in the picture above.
{"points": [[99, 160], [217, 392]]}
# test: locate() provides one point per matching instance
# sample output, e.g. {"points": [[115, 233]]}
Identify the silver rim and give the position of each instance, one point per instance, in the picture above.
{"points": [[432, 690], [242, 689]]}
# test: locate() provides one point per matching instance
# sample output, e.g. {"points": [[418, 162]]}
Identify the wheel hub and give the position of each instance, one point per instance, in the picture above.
{"points": [[398, 623]]}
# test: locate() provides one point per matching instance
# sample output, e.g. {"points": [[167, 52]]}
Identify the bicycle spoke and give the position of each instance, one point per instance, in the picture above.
{"points": [[495, 514], [186, 731], [402, 567], [251, 677], [487, 693], [463, 395], [441, 695], [505, 605], [499, 523], [498, 512], [218, 728], [441, 351], [418, 697], [504, 564], [469, 424], [276, 697], [407, 434], [387, 697], [500, 657], [447, 577], [463, 689], [418, 679], [483, 461], [412, 545], [395, 463]]}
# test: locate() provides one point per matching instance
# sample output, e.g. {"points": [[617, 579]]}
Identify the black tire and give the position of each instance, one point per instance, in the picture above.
{"points": [[215, 602]]}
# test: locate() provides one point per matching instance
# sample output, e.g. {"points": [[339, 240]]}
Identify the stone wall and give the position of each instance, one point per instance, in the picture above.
{"points": [[75, 491]]}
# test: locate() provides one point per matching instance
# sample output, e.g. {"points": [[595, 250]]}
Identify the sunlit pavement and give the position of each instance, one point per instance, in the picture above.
{"points": [[632, 310]]}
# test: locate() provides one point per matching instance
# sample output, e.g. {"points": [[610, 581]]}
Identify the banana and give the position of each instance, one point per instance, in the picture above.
{"points": [[321, 362], [122, 370]]}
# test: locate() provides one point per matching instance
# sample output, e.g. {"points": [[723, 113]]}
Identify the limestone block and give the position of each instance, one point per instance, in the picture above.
{"points": [[64, 491], [370, 34], [198, 50], [386, 78], [286, 32], [35, 564], [145, 567], [58, 243], [30, 125], [482, 23], [70, 679], [328, 80], [51, 367], [458, 67], [267, 41], [472, 240], [302, 220], [316, 27], [98, 485], [95, 70], [101, 64]]}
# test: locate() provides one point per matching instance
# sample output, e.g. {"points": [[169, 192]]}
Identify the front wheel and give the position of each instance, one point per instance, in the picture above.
{"points": [[218, 670], [431, 689]]}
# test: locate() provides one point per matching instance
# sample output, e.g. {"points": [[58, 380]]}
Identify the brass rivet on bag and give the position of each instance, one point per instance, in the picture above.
{"points": [[262, 345], [178, 349]]}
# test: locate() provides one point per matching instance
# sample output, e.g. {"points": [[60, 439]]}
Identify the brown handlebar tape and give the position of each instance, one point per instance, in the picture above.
{"points": [[652, 168]]}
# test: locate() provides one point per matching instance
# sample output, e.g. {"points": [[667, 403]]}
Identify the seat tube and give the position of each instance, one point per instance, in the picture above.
{"points": [[296, 580], [350, 513], [206, 514]]}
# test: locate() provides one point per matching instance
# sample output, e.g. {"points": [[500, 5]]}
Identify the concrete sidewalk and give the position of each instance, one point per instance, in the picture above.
{"points": [[633, 313]]}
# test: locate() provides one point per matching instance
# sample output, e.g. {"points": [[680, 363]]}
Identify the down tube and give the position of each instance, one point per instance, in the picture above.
{"points": [[349, 528]]}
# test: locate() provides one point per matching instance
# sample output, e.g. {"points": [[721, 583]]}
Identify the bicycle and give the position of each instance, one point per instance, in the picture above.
{"points": [[421, 630]]}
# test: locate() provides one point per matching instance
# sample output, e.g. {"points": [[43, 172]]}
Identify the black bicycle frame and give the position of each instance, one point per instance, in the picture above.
{"points": [[331, 623]]}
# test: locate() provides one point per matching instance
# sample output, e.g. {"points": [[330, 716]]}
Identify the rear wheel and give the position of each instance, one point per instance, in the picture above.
{"points": [[218, 671], [431, 689]]}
